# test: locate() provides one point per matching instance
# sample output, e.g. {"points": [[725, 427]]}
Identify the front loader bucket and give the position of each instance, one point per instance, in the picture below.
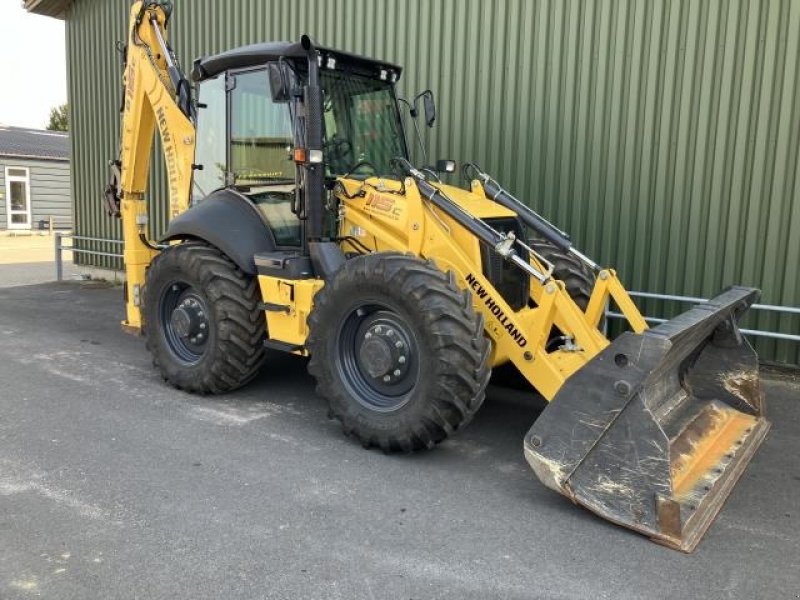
{"points": [[653, 433]]}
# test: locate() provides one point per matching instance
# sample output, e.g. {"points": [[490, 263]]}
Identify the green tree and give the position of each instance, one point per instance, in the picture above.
{"points": [[59, 118]]}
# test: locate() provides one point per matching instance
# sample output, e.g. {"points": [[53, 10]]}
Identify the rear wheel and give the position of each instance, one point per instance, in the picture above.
{"points": [[577, 277], [398, 352], [201, 319]]}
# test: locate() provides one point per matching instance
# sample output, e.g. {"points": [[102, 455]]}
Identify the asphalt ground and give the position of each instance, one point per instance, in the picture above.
{"points": [[113, 485]]}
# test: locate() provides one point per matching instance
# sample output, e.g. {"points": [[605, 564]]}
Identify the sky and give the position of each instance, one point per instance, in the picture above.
{"points": [[33, 74]]}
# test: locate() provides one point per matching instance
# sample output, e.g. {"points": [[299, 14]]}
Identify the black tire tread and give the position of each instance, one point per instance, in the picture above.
{"points": [[241, 328], [462, 372], [577, 277]]}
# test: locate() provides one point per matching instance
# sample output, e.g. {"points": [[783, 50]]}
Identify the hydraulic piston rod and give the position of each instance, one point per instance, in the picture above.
{"points": [[533, 220], [502, 244]]}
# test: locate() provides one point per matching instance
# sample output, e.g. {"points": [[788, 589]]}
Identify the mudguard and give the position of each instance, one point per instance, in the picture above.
{"points": [[653, 433], [228, 221]]}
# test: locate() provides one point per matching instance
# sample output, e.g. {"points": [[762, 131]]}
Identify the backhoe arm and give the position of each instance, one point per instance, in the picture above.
{"points": [[156, 95]]}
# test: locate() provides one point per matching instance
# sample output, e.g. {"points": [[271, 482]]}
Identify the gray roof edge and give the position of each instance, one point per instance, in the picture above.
{"points": [[36, 157], [48, 8]]}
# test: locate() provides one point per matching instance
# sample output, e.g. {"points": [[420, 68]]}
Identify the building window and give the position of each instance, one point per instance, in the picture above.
{"points": [[18, 198]]}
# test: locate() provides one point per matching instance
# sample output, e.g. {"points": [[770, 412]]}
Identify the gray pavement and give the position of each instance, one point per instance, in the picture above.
{"points": [[113, 485]]}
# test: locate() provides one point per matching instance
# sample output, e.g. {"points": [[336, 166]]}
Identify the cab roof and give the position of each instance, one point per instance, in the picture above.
{"points": [[253, 55]]}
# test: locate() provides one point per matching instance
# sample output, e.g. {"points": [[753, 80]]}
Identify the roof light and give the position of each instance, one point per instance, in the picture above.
{"points": [[315, 156], [393, 76], [331, 63], [383, 74]]}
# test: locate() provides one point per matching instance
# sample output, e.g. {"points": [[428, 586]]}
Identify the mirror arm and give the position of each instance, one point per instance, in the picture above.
{"points": [[412, 110]]}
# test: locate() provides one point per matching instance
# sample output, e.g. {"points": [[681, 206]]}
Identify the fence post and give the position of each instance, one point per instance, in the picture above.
{"points": [[59, 266]]}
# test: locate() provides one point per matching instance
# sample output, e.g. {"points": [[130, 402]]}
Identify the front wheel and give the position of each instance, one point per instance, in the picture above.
{"points": [[398, 351]]}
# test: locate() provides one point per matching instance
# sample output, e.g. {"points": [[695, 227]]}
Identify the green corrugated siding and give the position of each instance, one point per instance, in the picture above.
{"points": [[663, 135]]}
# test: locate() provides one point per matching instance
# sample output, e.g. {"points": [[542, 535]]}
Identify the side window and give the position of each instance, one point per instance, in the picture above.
{"points": [[210, 150], [261, 133]]}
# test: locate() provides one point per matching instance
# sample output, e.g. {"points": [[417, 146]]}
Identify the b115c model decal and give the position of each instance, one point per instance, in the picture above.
{"points": [[384, 205], [496, 310]]}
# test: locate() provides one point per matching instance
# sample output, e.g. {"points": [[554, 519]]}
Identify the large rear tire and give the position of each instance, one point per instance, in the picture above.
{"points": [[201, 319], [577, 277], [398, 351]]}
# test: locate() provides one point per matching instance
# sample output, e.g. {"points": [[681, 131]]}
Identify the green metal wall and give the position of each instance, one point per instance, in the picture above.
{"points": [[662, 134]]}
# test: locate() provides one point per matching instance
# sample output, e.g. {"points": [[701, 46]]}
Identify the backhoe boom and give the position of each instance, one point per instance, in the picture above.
{"points": [[156, 96]]}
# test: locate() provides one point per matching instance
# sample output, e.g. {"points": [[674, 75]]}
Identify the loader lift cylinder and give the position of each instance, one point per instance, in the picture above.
{"points": [[539, 224], [478, 227]]}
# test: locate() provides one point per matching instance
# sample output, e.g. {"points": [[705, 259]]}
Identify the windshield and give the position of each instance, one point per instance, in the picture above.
{"points": [[362, 125]]}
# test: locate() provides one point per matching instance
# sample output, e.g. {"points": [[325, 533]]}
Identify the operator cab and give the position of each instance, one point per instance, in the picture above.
{"points": [[248, 100]]}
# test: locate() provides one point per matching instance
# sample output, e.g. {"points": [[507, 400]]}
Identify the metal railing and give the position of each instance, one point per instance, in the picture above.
{"points": [[691, 299], [609, 314], [61, 248]]}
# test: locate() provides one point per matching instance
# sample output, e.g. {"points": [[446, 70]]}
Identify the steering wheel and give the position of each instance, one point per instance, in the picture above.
{"points": [[337, 149]]}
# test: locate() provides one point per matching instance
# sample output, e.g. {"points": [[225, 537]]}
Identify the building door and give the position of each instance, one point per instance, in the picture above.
{"points": [[18, 197]]}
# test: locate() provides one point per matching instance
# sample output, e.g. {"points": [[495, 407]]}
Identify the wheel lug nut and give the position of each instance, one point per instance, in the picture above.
{"points": [[386, 378], [202, 325], [398, 344], [175, 287], [367, 335], [397, 372], [390, 332], [402, 360], [379, 329]]}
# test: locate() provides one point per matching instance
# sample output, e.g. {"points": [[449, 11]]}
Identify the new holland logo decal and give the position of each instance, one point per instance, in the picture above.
{"points": [[496, 310]]}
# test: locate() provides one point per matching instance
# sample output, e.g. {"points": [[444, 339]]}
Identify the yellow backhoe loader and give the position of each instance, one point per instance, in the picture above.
{"points": [[298, 223]]}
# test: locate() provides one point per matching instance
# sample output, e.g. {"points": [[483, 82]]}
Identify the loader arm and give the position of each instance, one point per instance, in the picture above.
{"points": [[156, 96], [650, 430]]}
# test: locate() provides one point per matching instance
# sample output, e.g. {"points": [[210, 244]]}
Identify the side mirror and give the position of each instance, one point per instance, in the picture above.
{"points": [[430, 107], [445, 165], [281, 80]]}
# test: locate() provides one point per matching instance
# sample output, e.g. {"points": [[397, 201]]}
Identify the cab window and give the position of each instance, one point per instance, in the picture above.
{"points": [[210, 150], [261, 133]]}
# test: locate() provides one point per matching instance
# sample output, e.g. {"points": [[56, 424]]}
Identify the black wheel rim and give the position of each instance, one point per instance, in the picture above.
{"points": [[185, 321], [377, 357]]}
